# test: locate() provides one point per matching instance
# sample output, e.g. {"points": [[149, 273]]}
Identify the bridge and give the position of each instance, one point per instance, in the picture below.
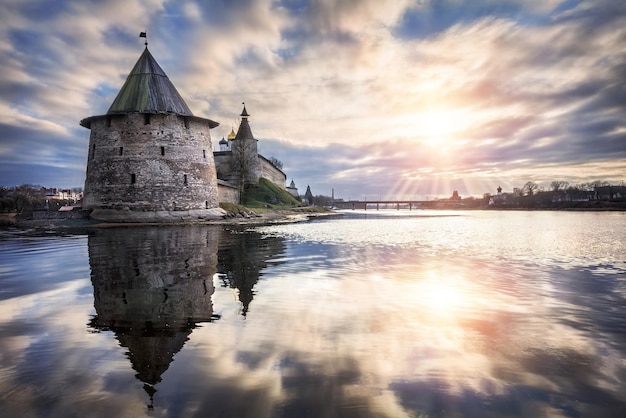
{"points": [[385, 204]]}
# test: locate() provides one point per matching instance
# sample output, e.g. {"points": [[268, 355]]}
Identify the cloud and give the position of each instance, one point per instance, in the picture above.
{"points": [[454, 87]]}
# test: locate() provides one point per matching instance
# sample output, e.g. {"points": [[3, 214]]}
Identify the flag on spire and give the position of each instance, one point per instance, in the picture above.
{"points": [[142, 35]]}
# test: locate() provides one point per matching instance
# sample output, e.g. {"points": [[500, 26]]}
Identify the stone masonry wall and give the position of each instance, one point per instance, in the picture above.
{"points": [[227, 193], [224, 166], [150, 162], [270, 172]]}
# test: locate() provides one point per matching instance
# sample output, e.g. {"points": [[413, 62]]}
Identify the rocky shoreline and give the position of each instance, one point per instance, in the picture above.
{"points": [[249, 218]]}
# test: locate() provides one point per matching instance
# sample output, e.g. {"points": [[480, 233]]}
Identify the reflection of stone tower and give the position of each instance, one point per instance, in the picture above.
{"points": [[151, 287], [149, 157], [240, 260]]}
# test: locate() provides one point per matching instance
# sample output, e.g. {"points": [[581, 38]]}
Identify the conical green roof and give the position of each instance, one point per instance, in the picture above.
{"points": [[148, 90]]}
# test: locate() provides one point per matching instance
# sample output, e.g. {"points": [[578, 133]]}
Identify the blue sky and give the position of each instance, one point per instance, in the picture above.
{"points": [[370, 98]]}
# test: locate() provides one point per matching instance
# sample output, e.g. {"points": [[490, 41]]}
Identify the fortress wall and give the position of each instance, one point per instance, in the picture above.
{"points": [[270, 172], [227, 193], [293, 192], [149, 162], [223, 166]]}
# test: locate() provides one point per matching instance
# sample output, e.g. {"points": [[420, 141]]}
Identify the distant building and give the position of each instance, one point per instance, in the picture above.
{"points": [[308, 196], [293, 190], [224, 145], [610, 193], [63, 194], [499, 198]]}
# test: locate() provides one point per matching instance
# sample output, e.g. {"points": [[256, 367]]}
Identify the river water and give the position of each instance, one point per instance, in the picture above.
{"points": [[374, 314]]}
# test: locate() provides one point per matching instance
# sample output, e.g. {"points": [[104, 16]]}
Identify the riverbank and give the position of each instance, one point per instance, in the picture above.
{"points": [[261, 217], [250, 217]]}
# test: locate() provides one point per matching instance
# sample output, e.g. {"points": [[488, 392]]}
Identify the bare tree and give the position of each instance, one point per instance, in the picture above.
{"points": [[598, 183], [276, 162], [559, 185], [244, 164], [529, 188]]}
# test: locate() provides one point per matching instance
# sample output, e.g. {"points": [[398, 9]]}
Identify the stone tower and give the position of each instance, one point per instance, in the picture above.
{"points": [[245, 152], [150, 158]]}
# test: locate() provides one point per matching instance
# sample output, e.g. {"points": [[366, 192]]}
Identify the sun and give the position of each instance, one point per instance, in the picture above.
{"points": [[439, 127]]}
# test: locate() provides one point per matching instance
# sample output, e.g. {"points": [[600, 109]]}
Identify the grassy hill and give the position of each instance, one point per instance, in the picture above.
{"points": [[268, 195]]}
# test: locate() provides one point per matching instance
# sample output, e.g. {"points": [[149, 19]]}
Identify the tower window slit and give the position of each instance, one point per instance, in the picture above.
{"points": [[133, 178], [185, 179], [186, 122], [93, 150], [108, 121], [203, 153], [146, 118], [121, 150], [162, 150]]}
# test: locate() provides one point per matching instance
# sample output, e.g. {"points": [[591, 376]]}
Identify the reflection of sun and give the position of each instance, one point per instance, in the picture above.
{"points": [[438, 293], [441, 294]]}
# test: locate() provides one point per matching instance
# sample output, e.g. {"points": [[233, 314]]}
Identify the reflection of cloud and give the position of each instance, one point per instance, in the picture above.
{"points": [[348, 326], [510, 336], [51, 350], [552, 351]]}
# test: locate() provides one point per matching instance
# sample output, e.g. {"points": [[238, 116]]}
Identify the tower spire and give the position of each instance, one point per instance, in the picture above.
{"points": [[244, 113]]}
